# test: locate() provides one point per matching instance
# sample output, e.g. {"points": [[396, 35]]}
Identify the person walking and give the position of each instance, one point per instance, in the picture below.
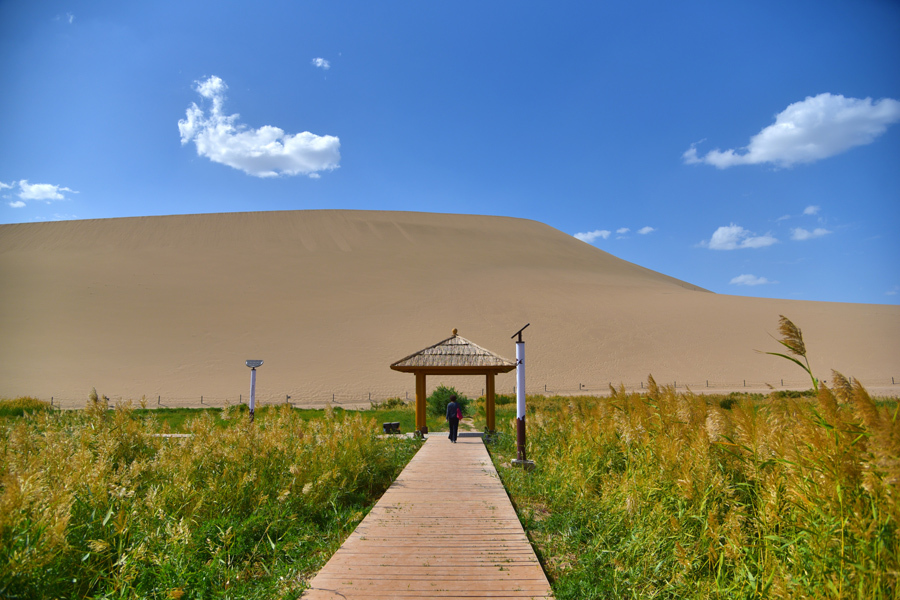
{"points": [[454, 414]]}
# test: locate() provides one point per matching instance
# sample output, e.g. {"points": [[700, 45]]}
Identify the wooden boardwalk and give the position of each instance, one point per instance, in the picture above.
{"points": [[444, 529]]}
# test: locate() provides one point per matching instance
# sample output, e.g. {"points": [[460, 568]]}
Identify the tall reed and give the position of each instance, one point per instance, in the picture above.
{"points": [[95, 503], [670, 495]]}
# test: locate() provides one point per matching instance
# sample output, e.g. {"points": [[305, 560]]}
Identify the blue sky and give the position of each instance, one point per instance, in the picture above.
{"points": [[750, 148]]}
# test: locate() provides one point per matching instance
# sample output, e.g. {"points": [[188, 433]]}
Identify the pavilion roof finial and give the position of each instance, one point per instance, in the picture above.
{"points": [[454, 331]]}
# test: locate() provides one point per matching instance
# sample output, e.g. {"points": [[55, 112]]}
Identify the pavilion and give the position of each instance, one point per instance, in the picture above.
{"points": [[454, 356]]}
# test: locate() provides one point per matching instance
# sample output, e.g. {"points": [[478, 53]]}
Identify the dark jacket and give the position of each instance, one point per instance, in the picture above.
{"points": [[451, 410]]}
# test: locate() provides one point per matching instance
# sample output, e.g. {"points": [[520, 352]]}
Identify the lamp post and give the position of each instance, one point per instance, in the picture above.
{"points": [[253, 364], [520, 460]]}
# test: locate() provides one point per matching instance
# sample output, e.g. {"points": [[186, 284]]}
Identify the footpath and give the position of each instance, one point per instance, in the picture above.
{"points": [[444, 529]]}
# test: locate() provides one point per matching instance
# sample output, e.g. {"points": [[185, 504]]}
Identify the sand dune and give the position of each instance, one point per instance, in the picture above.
{"points": [[172, 306]]}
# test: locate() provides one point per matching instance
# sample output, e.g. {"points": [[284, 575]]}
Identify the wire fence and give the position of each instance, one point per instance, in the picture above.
{"points": [[367, 399], [353, 401], [595, 388]]}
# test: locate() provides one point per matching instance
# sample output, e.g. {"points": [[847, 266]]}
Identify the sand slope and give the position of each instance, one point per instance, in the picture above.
{"points": [[171, 307]]}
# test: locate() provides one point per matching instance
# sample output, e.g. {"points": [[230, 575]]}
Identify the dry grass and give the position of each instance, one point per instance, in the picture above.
{"points": [[94, 503], [669, 494]]}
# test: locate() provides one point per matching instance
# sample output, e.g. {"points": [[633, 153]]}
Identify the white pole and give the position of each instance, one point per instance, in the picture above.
{"points": [[520, 400], [520, 380], [252, 392]]}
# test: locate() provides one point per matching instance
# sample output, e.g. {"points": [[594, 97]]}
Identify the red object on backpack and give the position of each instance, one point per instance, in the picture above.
{"points": [[458, 413]]}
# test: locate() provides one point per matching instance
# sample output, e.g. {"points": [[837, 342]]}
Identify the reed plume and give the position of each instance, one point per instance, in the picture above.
{"points": [[95, 504], [678, 495], [792, 339]]}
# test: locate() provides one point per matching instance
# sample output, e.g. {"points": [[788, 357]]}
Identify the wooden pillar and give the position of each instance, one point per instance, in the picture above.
{"points": [[421, 426], [489, 403]]}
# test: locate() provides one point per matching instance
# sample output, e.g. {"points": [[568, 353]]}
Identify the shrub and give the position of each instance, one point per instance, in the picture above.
{"points": [[810, 393], [727, 403], [501, 399], [389, 404], [19, 406], [734, 397], [439, 399]]}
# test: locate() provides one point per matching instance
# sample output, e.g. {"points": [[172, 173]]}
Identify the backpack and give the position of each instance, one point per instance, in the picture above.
{"points": [[458, 413]]}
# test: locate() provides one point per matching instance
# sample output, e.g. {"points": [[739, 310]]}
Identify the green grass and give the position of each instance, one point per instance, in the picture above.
{"points": [[94, 504], [176, 420], [405, 416], [19, 407], [503, 412], [673, 495]]}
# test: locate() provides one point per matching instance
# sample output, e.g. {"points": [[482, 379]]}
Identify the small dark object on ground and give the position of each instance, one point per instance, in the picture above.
{"points": [[391, 427]]}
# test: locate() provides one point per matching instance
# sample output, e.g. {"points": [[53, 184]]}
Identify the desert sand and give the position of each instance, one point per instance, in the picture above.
{"points": [[168, 308]]}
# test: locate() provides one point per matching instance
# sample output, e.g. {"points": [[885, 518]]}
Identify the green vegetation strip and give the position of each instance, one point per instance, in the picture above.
{"points": [[669, 495], [96, 504]]}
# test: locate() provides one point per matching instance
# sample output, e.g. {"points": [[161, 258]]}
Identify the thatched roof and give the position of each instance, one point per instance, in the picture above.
{"points": [[455, 354]]}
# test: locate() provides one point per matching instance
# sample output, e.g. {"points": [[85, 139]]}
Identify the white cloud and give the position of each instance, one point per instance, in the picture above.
{"points": [[42, 191], [815, 128], [799, 234], [812, 210], [750, 280], [783, 218], [733, 237], [646, 230], [57, 217], [70, 17], [622, 230], [893, 291], [263, 152], [590, 236], [321, 63]]}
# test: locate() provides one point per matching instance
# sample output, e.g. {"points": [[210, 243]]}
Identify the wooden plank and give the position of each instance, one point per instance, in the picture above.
{"points": [[445, 529]]}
